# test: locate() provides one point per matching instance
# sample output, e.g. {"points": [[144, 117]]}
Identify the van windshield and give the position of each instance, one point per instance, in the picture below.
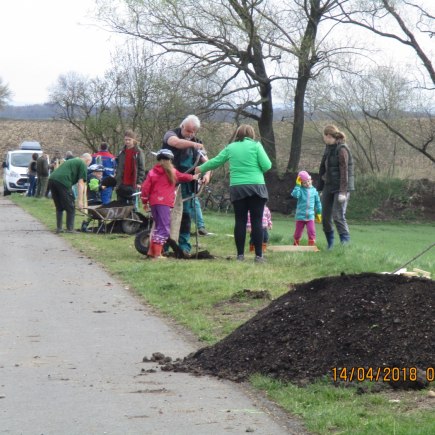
{"points": [[21, 159]]}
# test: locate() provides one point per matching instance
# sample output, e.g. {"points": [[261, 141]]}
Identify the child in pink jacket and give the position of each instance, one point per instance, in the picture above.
{"points": [[158, 191]]}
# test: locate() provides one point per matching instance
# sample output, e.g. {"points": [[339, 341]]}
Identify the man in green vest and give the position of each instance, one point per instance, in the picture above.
{"points": [[71, 172]]}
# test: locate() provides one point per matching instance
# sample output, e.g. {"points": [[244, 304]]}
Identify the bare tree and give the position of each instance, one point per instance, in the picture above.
{"points": [[340, 99], [139, 92], [153, 94], [381, 110], [296, 33], [5, 94], [210, 37], [406, 22], [242, 47], [86, 104], [411, 24]]}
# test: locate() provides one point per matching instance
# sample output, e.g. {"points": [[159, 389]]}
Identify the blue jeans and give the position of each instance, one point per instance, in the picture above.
{"points": [[186, 220], [32, 186], [196, 214]]}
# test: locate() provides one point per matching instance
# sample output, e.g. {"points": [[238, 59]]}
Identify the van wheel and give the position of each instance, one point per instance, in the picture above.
{"points": [[142, 241], [6, 192]]}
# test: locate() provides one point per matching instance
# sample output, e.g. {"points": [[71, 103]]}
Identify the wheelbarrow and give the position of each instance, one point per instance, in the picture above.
{"points": [[105, 218]]}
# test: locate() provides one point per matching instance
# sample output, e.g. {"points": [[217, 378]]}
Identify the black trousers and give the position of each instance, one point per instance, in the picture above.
{"points": [[63, 200], [255, 206], [62, 196]]}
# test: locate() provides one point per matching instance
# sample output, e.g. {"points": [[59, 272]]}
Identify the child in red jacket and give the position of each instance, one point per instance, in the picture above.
{"points": [[158, 190]]}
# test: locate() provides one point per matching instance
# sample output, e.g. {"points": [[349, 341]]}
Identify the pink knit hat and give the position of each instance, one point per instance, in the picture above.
{"points": [[304, 176]]}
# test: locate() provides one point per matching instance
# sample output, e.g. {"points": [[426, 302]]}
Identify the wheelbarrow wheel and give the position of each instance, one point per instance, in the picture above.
{"points": [[130, 226], [142, 241], [84, 227]]}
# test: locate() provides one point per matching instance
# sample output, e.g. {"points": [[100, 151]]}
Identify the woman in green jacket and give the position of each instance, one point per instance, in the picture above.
{"points": [[248, 191]]}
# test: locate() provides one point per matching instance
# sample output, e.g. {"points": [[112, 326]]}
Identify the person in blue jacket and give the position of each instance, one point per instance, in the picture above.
{"points": [[308, 208], [108, 161]]}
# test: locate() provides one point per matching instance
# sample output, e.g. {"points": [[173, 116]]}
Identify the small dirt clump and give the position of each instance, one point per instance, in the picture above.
{"points": [[368, 322]]}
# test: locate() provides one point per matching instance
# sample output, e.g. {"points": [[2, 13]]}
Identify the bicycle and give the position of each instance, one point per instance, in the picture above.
{"points": [[213, 202]]}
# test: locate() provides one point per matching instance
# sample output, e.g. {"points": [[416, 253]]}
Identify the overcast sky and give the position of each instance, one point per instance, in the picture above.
{"points": [[41, 39]]}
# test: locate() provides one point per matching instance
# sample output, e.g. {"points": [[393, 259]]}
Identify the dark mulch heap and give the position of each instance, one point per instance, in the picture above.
{"points": [[366, 320]]}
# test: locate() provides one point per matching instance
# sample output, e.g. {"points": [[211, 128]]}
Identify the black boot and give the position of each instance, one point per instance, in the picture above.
{"points": [[59, 219], [70, 222]]}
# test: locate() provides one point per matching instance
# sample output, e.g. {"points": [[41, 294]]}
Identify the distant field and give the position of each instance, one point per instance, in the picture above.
{"points": [[53, 135], [395, 159]]}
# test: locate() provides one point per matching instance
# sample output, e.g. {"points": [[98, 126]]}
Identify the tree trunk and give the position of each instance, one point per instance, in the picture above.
{"points": [[265, 124], [307, 59], [298, 124]]}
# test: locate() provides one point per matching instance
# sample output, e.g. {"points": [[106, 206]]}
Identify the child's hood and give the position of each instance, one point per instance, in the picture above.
{"points": [[158, 169]]}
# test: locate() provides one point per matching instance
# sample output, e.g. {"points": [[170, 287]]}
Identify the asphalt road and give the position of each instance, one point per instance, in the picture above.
{"points": [[72, 340]]}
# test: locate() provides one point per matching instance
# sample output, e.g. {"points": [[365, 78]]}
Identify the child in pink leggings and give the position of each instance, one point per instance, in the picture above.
{"points": [[308, 208]]}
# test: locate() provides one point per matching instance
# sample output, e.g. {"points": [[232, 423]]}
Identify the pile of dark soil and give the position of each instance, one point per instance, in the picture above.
{"points": [[360, 321]]}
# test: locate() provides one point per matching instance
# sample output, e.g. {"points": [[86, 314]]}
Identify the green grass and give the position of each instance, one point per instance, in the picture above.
{"points": [[196, 294], [341, 410]]}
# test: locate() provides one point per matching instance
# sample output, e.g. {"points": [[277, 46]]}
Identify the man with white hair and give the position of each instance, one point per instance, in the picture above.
{"points": [[186, 147], [71, 172]]}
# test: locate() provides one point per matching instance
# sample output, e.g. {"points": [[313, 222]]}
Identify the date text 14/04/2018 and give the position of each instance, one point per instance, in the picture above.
{"points": [[382, 374]]}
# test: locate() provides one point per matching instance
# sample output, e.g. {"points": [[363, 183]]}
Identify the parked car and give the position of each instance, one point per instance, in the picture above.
{"points": [[15, 178]]}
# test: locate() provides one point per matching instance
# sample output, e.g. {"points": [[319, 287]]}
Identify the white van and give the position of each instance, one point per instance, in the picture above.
{"points": [[15, 178]]}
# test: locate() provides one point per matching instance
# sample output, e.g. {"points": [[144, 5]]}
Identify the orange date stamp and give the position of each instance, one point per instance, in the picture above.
{"points": [[380, 374]]}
